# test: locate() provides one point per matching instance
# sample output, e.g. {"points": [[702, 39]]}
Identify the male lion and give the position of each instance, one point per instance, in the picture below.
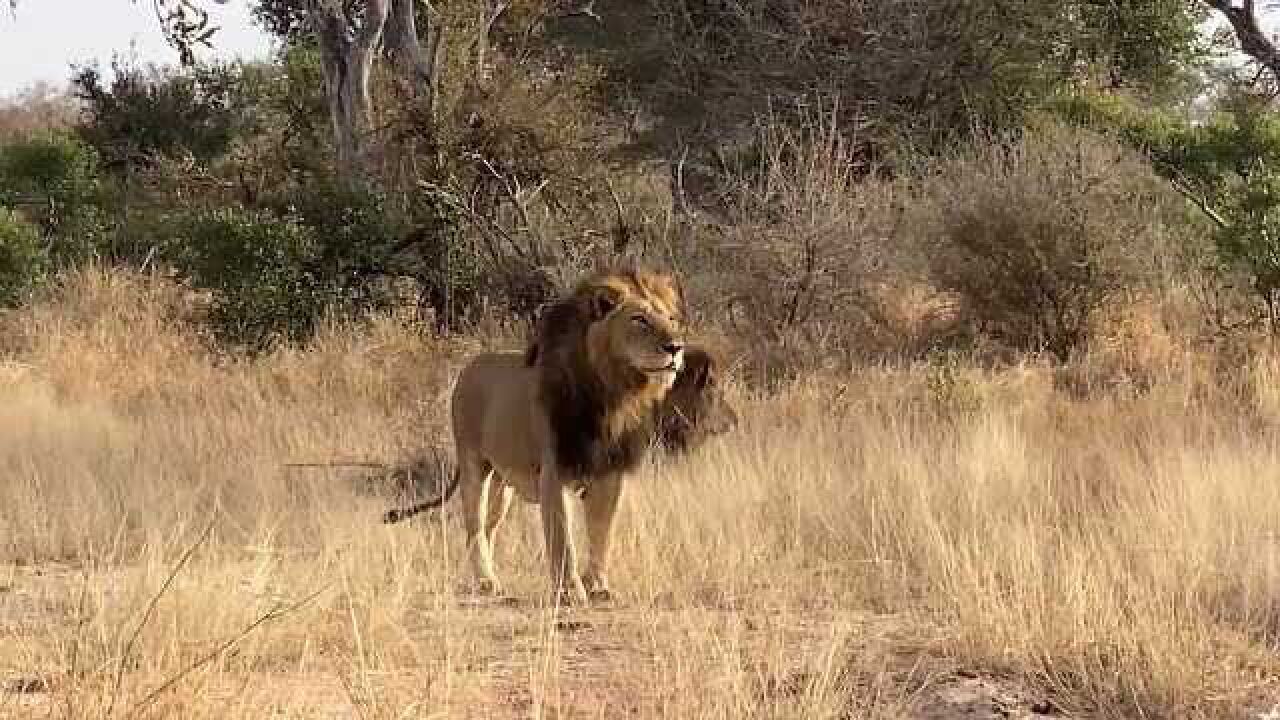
{"points": [[573, 414], [693, 411]]}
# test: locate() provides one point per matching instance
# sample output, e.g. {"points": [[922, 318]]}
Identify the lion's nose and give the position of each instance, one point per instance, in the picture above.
{"points": [[673, 348]]}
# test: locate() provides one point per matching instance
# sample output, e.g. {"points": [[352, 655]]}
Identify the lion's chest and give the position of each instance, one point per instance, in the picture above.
{"points": [[584, 458], [586, 447]]}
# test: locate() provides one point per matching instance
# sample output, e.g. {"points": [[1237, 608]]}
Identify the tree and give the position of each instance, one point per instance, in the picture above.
{"points": [[1254, 41], [348, 34], [348, 42]]}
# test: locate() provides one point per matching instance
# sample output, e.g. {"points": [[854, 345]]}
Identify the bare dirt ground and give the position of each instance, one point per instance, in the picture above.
{"points": [[519, 661]]}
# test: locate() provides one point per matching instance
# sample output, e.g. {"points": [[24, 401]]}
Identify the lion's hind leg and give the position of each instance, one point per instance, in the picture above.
{"points": [[476, 477], [501, 494]]}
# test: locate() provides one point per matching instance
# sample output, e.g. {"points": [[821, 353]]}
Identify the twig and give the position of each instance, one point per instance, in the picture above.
{"points": [[337, 463], [587, 10], [272, 614], [486, 226], [1199, 201], [623, 237], [677, 190], [151, 607], [517, 198]]}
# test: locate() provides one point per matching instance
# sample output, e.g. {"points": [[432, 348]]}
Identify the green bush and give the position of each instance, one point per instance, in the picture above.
{"points": [[260, 270], [23, 260], [364, 239], [1227, 167], [354, 228], [142, 113], [54, 177]]}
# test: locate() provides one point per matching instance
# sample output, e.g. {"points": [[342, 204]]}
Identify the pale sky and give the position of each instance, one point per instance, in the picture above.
{"points": [[47, 36]]}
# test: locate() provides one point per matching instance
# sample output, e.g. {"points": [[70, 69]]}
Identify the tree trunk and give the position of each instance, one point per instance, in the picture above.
{"points": [[346, 61], [416, 65], [1253, 38]]}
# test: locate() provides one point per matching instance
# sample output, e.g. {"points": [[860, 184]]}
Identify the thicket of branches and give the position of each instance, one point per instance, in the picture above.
{"points": [[850, 176]]}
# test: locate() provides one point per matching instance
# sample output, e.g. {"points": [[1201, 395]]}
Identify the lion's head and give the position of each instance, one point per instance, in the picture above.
{"points": [[607, 353], [695, 409], [624, 324], [634, 332]]}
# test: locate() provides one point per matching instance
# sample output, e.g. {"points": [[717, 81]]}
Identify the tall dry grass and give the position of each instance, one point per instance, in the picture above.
{"points": [[859, 543]]}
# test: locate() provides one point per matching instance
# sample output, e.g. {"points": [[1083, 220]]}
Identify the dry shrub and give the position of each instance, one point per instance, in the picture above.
{"points": [[1038, 232], [35, 110], [804, 253]]}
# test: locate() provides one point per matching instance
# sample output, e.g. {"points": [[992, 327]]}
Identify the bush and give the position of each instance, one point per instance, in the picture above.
{"points": [[260, 270], [1226, 165], [354, 230], [364, 240], [55, 177], [142, 113], [804, 251], [23, 260], [1036, 232]]}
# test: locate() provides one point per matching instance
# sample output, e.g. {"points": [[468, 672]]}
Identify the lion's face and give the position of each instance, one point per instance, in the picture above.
{"points": [[639, 332], [696, 409], [647, 340]]}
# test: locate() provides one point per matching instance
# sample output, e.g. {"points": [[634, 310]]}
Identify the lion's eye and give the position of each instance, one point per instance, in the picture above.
{"points": [[640, 320]]}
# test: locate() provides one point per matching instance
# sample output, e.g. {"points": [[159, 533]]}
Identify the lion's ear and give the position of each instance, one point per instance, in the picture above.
{"points": [[601, 301]]}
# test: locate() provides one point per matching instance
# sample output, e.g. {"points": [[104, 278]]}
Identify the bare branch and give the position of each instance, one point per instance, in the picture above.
{"points": [[277, 612], [127, 655], [1200, 202], [1254, 41], [588, 10], [622, 233]]}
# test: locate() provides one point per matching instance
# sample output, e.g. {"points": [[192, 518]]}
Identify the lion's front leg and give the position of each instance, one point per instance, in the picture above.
{"points": [[601, 505], [566, 585]]}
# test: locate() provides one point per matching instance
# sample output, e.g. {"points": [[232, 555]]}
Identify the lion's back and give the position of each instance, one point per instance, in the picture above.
{"points": [[492, 405]]}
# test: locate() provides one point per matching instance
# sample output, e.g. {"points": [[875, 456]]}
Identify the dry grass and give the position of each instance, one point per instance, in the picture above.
{"points": [[1112, 556]]}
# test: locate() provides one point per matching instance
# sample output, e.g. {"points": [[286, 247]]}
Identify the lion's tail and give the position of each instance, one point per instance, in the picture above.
{"points": [[395, 515]]}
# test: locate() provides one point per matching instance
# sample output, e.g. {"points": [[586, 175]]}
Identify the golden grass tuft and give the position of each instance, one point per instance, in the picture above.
{"points": [[862, 546]]}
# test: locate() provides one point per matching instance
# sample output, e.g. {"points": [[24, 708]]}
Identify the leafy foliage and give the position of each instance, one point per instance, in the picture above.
{"points": [[921, 70], [23, 260], [1228, 167], [258, 267], [144, 113], [1149, 43], [54, 177]]}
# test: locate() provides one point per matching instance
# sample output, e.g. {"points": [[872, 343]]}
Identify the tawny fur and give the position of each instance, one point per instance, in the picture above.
{"points": [[571, 415], [693, 412]]}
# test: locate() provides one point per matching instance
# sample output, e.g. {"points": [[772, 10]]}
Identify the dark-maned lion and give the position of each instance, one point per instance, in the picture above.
{"points": [[694, 411], [573, 414]]}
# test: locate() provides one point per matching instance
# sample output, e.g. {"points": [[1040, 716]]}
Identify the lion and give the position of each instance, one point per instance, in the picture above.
{"points": [[694, 411], [573, 414]]}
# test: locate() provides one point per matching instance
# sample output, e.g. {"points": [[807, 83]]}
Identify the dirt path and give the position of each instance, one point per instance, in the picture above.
{"points": [[500, 660]]}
